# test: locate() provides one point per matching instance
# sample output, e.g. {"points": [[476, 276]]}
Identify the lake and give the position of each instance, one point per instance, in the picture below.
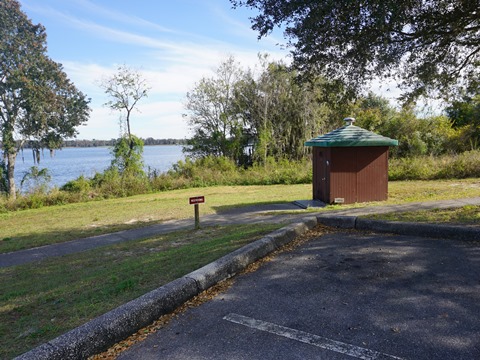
{"points": [[70, 163]]}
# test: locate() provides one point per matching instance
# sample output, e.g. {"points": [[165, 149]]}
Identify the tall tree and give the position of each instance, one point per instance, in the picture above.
{"points": [[430, 45], [248, 115], [37, 100], [126, 88], [211, 114], [465, 116], [281, 110], [280, 113]]}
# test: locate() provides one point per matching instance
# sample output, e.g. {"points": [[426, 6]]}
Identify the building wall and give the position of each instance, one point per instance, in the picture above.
{"points": [[349, 175]]}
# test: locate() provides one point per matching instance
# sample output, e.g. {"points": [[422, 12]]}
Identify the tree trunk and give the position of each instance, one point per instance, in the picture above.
{"points": [[12, 192]]}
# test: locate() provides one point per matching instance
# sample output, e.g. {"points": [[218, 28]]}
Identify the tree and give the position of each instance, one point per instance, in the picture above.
{"points": [[249, 116], [372, 111], [36, 180], [128, 159], [416, 135], [465, 116], [212, 116], [125, 88], [281, 110], [38, 102], [429, 45]]}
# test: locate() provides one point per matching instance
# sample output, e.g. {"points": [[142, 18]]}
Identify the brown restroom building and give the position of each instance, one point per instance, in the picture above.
{"points": [[350, 165]]}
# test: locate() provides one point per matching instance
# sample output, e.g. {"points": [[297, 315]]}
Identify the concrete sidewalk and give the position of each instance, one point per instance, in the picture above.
{"points": [[104, 331], [244, 215]]}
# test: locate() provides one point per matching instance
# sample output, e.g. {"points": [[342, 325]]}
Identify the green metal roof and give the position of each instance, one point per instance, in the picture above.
{"points": [[351, 135]]}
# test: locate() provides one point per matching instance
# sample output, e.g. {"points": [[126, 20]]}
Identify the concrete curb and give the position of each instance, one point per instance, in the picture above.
{"points": [[104, 331], [463, 233]]}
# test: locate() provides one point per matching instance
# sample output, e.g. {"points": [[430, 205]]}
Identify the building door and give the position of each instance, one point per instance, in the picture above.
{"points": [[321, 176]]}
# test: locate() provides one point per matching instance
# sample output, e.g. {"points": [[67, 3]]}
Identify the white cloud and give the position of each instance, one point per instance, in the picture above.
{"points": [[170, 59], [119, 16]]}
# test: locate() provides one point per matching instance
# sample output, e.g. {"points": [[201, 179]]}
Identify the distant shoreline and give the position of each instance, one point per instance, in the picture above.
{"points": [[105, 143]]}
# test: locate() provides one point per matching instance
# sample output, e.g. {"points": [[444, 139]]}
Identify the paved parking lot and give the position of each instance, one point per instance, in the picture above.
{"points": [[339, 296]]}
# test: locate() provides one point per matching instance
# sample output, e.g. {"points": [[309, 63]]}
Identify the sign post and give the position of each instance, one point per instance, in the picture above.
{"points": [[195, 201]]}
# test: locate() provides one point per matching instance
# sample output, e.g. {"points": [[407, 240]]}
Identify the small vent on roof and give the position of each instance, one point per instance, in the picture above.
{"points": [[349, 121]]}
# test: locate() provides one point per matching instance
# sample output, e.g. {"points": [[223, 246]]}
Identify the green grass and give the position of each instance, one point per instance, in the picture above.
{"points": [[43, 300], [54, 224], [466, 215], [29, 228]]}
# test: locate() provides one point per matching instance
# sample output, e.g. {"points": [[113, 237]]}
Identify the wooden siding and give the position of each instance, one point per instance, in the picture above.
{"points": [[350, 174]]}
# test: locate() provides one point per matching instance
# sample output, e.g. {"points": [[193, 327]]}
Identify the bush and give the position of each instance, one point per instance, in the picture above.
{"points": [[112, 183], [213, 171], [81, 184], [459, 166]]}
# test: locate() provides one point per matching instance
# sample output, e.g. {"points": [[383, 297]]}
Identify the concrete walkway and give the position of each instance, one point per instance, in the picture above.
{"points": [[244, 215]]}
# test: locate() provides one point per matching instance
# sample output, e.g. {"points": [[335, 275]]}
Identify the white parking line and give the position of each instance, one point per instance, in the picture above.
{"points": [[307, 338]]}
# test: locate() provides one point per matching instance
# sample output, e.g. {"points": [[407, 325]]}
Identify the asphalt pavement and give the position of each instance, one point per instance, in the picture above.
{"points": [[343, 295], [340, 296]]}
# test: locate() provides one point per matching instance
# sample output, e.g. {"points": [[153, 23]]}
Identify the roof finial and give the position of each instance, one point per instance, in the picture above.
{"points": [[349, 121]]}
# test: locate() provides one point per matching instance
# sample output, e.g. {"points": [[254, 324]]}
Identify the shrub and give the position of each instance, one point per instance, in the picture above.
{"points": [[221, 171], [81, 184], [459, 166]]}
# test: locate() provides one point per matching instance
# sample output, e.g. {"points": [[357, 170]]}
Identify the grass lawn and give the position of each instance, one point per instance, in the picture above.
{"points": [[48, 225], [30, 228], [40, 301], [466, 215]]}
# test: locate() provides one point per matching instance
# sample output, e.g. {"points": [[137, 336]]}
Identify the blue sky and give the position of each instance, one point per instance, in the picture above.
{"points": [[173, 44]]}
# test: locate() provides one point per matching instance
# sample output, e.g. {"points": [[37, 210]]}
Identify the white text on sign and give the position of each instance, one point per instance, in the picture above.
{"points": [[196, 200]]}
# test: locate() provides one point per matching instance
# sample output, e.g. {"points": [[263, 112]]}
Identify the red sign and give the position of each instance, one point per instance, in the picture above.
{"points": [[197, 200]]}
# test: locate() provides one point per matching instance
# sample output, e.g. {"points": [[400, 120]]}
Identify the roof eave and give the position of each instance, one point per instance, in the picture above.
{"points": [[350, 143]]}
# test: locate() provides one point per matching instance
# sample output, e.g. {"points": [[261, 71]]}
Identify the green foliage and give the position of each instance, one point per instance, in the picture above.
{"points": [[372, 111], [465, 116], [211, 115], [248, 117], [111, 183], [464, 165], [40, 199], [416, 136], [37, 101], [211, 170], [432, 46], [280, 172], [428, 136], [81, 184], [128, 156], [36, 180], [3, 178]]}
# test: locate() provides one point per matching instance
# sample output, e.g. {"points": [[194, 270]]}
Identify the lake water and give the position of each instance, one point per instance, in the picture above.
{"points": [[70, 163]]}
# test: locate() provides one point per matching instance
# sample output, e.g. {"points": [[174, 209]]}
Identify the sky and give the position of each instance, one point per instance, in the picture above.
{"points": [[172, 44]]}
